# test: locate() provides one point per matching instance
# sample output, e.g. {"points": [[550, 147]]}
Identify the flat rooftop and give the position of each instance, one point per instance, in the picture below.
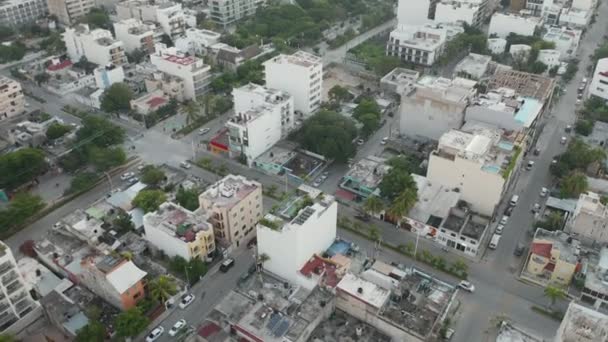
{"points": [[473, 64], [178, 221], [597, 272], [277, 155], [423, 37], [524, 84], [583, 324], [272, 96], [368, 171], [455, 90], [341, 327], [569, 249], [301, 58], [229, 190], [434, 202], [524, 110]]}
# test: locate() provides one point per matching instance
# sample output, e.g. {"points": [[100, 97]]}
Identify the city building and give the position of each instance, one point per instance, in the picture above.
{"points": [[566, 40], [479, 164], [585, 5], [305, 225], [472, 12], [231, 58], [64, 313], [135, 35], [497, 46], [197, 41], [550, 12], [463, 230], [415, 12], [69, 11], [195, 74], [599, 82], [107, 75], [553, 258], [534, 7], [167, 14], [364, 177], [595, 291], [582, 324], [178, 231], [417, 44], [524, 84], [39, 278], [97, 45], [502, 24], [12, 100], [400, 81], [473, 66], [575, 18], [590, 219], [305, 79], [17, 307], [149, 102], [261, 118], [235, 206], [226, 12], [17, 13], [549, 57], [436, 106], [171, 86], [371, 297], [520, 52]]}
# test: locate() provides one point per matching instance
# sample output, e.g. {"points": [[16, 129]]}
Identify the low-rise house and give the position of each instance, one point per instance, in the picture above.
{"points": [[590, 219], [553, 258], [364, 177], [171, 86], [595, 290], [497, 46], [12, 100], [582, 324], [501, 25], [178, 231], [400, 81], [549, 57], [473, 66], [566, 40], [599, 82], [97, 45], [149, 102]]}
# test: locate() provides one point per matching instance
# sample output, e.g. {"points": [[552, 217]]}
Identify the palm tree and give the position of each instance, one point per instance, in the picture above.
{"points": [[373, 205], [262, 258], [403, 203], [127, 255], [162, 288], [374, 233], [192, 110], [207, 105], [554, 293]]}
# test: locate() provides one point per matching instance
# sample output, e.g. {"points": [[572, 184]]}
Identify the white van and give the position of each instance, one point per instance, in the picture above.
{"points": [[514, 200], [494, 241]]}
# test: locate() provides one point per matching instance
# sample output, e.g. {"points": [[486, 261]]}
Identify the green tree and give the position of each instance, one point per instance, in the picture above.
{"points": [[122, 222], [395, 182], [6, 32], [338, 93], [402, 204], [460, 267], [554, 293], [329, 134], [21, 166], [370, 123], [162, 288], [99, 131], [193, 111], [136, 56], [554, 221], [149, 200], [578, 156], [92, 332], [15, 51], [7, 338], [152, 175], [57, 130], [98, 18], [373, 205], [106, 158], [261, 260], [54, 44], [130, 323], [584, 127], [374, 233], [117, 98], [573, 185], [22, 207], [187, 198], [82, 181], [41, 78]]}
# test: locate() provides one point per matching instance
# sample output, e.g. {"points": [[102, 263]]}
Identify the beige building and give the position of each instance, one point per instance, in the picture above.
{"points": [[67, 11], [12, 101], [553, 258], [582, 324], [590, 218], [235, 207]]}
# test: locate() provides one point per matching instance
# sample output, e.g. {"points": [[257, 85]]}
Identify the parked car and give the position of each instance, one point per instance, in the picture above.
{"points": [[499, 229], [467, 286], [536, 208], [125, 176], [537, 151], [133, 180], [253, 242], [226, 265], [449, 332], [317, 183], [360, 142], [155, 334], [186, 300], [363, 217], [543, 192], [509, 211], [563, 140], [179, 325], [519, 250], [185, 165], [203, 130], [530, 165], [384, 141], [568, 128], [504, 219]]}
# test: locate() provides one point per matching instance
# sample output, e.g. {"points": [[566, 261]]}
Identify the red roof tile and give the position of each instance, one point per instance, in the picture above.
{"points": [[59, 66], [209, 330], [542, 249], [550, 267], [156, 101]]}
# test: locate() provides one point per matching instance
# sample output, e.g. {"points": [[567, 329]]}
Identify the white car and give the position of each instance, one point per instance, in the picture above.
{"points": [[384, 140], [499, 229], [563, 140], [155, 334], [543, 192], [536, 208], [186, 300], [467, 286], [185, 165], [360, 142], [126, 175], [179, 325], [504, 220], [203, 130]]}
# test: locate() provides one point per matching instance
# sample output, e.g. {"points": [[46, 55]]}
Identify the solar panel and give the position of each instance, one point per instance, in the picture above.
{"points": [[281, 328], [274, 319]]}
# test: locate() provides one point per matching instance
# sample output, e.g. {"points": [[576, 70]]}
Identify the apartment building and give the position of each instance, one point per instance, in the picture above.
{"points": [[553, 258], [599, 82], [235, 206], [566, 40], [135, 35], [472, 12], [595, 291], [196, 41], [535, 7], [195, 74], [167, 14], [581, 323], [304, 226], [549, 57], [589, 222], [436, 106], [305, 79], [415, 12], [98, 46], [417, 44], [12, 100], [20, 12], [226, 12], [480, 164], [178, 231], [501, 25], [15, 299], [69, 11], [105, 76]]}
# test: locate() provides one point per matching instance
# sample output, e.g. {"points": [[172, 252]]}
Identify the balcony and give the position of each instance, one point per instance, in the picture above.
{"points": [[13, 287], [5, 267], [9, 278]]}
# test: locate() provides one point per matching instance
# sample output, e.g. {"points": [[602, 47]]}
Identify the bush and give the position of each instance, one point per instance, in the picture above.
{"points": [[82, 181], [584, 127], [57, 130]]}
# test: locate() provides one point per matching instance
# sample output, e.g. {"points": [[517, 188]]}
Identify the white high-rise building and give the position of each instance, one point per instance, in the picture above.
{"points": [[20, 12], [68, 11], [290, 238], [301, 76], [12, 100], [195, 74], [472, 12], [135, 35], [167, 14], [98, 46], [16, 302], [415, 12], [226, 12], [599, 82]]}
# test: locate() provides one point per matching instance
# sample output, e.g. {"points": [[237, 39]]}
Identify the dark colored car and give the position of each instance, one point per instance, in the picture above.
{"points": [[519, 250]]}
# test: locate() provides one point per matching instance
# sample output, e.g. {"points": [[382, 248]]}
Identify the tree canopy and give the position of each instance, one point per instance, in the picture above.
{"points": [[572, 185], [57, 130], [130, 323], [106, 158], [117, 98], [368, 114], [578, 156], [329, 134], [20, 208], [100, 132], [395, 182], [152, 175], [12, 52], [187, 198], [98, 18], [149, 200], [21, 166], [92, 332]]}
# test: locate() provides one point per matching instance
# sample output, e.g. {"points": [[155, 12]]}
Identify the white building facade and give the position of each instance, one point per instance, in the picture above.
{"points": [[305, 80], [599, 83], [106, 76], [69, 11], [589, 221], [21, 12], [12, 100], [226, 12], [135, 35], [503, 24], [98, 46], [417, 44], [415, 12], [196, 41], [472, 12]]}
